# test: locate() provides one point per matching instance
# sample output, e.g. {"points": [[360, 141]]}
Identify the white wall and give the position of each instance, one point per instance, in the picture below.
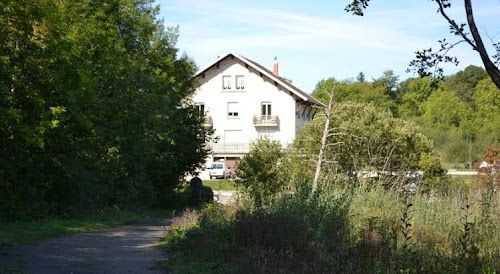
{"points": [[257, 90]]}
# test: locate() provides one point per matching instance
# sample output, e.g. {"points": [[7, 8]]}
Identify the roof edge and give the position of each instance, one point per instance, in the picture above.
{"points": [[269, 75]]}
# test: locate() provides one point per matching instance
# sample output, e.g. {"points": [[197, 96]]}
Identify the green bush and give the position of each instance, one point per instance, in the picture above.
{"points": [[258, 172]]}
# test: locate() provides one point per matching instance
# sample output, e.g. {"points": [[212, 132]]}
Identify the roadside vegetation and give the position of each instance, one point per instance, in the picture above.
{"points": [[364, 229], [394, 222]]}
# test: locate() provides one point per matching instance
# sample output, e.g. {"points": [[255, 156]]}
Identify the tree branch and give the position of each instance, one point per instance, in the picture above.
{"points": [[488, 64], [454, 24]]}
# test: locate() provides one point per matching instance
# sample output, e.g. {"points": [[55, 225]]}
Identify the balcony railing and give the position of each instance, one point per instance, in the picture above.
{"points": [[266, 121], [208, 122], [238, 148], [230, 147]]}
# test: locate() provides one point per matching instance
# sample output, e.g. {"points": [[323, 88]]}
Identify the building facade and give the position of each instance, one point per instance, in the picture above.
{"points": [[243, 101]]}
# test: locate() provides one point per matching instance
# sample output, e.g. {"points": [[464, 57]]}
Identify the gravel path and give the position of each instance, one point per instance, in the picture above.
{"points": [[125, 249]]}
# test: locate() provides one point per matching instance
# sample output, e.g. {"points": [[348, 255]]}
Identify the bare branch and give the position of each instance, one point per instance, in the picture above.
{"points": [[444, 54], [453, 24]]}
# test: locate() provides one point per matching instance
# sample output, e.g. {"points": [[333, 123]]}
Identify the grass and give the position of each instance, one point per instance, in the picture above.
{"points": [[222, 184], [23, 232], [297, 235]]}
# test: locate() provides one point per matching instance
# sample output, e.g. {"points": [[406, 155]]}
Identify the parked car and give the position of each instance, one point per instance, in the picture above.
{"points": [[219, 170]]}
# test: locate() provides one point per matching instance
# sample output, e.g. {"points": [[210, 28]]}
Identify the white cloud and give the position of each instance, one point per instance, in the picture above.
{"points": [[385, 39]]}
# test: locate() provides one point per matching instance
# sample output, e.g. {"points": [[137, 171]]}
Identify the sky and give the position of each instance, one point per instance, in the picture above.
{"points": [[315, 40]]}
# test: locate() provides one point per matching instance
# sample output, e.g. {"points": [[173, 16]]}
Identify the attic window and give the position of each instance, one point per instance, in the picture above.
{"points": [[240, 82], [226, 82]]}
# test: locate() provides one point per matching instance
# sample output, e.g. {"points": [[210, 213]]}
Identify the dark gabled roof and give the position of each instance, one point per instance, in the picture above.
{"points": [[280, 80]]}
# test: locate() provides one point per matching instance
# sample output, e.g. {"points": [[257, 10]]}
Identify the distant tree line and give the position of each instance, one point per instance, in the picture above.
{"points": [[94, 108], [459, 113]]}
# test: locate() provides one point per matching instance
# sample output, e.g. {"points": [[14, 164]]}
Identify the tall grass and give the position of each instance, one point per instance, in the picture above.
{"points": [[361, 229]]}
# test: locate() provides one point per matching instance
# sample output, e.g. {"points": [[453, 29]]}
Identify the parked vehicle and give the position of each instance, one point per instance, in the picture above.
{"points": [[219, 170]]}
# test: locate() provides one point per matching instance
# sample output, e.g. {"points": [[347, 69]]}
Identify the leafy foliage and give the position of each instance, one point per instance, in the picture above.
{"points": [[93, 109], [369, 140], [378, 93], [258, 172]]}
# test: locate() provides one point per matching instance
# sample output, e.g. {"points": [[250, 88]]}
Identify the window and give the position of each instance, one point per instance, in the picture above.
{"points": [[240, 82], [200, 107], [232, 109], [217, 166], [226, 82], [266, 109]]}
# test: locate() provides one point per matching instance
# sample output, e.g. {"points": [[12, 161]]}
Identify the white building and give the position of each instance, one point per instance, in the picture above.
{"points": [[243, 101]]}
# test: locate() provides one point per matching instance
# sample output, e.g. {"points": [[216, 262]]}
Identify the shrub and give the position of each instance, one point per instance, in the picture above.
{"points": [[258, 172]]}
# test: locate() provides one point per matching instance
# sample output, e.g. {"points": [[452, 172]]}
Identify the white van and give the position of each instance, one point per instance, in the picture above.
{"points": [[218, 170]]}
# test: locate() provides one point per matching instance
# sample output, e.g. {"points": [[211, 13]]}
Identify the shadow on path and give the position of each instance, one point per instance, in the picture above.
{"points": [[125, 249]]}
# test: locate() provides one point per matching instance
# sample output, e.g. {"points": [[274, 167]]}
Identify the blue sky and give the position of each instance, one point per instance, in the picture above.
{"points": [[314, 40]]}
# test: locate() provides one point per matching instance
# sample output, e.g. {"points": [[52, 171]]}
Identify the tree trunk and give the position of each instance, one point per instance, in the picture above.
{"points": [[490, 67], [323, 142]]}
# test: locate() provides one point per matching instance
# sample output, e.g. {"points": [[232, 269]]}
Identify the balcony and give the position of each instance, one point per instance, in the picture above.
{"points": [[220, 148], [208, 122], [236, 148], [266, 121]]}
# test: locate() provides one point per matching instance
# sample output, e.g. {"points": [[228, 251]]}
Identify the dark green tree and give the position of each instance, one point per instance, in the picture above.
{"points": [[361, 77], [464, 83], [95, 108]]}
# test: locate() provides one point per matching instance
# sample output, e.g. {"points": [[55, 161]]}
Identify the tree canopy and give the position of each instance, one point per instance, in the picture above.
{"points": [[459, 113], [366, 139], [94, 107]]}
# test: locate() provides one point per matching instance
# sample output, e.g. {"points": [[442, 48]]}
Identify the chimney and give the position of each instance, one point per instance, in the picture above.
{"points": [[275, 68]]}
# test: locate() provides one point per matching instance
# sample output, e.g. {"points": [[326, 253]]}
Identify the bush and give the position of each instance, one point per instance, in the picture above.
{"points": [[258, 172]]}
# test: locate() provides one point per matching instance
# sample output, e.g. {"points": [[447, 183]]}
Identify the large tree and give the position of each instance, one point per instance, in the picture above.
{"points": [[364, 139], [94, 107], [428, 59]]}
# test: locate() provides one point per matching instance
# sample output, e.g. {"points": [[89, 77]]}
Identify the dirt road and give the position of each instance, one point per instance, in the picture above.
{"points": [[125, 249]]}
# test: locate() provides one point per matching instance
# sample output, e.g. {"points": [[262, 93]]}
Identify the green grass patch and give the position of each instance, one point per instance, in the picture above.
{"points": [[221, 184], [24, 232]]}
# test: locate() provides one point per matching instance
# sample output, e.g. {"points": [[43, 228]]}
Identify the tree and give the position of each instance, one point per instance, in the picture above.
{"points": [[370, 141], [389, 81], [346, 91], [415, 94], [452, 124], [259, 170], [94, 108], [428, 59], [326, 133], [444, 109], [361, 77], [464, 83], [487, 100]]}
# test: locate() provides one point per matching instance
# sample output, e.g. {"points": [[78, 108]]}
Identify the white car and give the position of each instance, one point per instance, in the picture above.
{"points": [[218, 170]]}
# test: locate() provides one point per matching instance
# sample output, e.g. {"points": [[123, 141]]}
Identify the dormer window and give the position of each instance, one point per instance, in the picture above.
{"points": [[240, 82], [226, 82]]}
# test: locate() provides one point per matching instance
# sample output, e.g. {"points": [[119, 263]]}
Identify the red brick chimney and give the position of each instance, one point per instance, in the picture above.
{"points": [[275, 68]]}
